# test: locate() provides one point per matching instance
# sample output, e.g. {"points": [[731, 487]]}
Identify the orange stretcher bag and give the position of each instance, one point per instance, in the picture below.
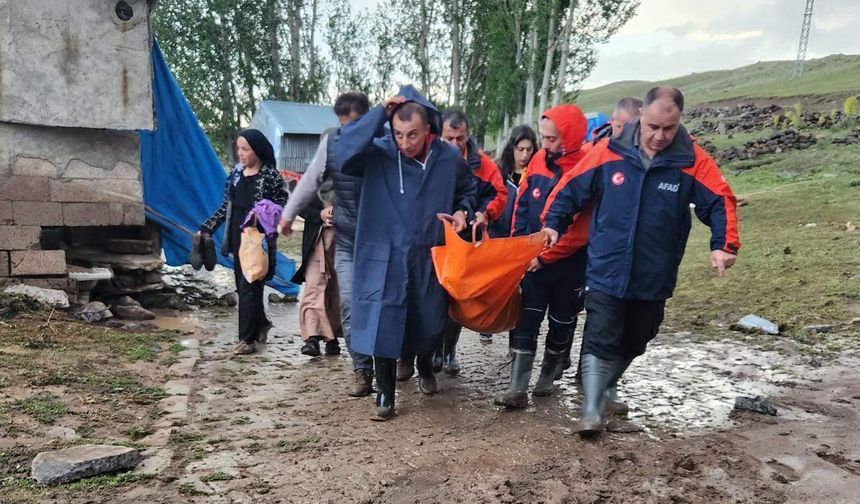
{"points": [[483, 277]]}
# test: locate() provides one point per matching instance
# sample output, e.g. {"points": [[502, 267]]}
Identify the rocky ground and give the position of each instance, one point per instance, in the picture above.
{"points": [[278, 427]]}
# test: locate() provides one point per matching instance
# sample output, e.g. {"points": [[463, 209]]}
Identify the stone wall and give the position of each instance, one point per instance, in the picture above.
{"points": [[74, 86]]}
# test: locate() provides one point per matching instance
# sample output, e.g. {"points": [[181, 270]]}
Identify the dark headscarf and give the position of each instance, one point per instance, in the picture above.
{"points": [[261, 146]]}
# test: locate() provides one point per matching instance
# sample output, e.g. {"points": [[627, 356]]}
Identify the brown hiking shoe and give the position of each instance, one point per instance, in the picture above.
{"points": [[244, 348], [362, 383]]}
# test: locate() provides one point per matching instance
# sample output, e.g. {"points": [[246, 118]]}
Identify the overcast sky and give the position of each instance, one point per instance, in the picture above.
{"points": [[670, 38]]}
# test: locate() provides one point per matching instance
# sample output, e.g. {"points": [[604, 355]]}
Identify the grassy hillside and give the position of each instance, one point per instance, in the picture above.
{"points": [[836, 74], [798, 264]]}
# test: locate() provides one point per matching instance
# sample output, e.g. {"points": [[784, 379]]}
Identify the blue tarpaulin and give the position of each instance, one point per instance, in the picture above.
{"points": [[595, 120], [183, 180]]}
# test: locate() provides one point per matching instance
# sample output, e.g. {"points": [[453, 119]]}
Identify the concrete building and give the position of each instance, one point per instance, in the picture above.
{"points": [[294, 130], [75, 84]]}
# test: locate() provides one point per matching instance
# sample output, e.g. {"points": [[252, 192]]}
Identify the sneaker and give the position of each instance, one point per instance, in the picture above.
{"points": [[311, 347], [362, 383], [332, 347], [486, 338], [244, 348]]}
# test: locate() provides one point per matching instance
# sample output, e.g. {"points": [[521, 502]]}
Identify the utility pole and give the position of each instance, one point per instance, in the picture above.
{"points": [[804, 38]]}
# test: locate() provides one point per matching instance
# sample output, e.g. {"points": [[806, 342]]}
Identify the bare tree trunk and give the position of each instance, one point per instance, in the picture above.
{"points": [[426, 21], [529, 109], [275, 50], [551, 42], [456, 22], [561, 77], [312, 50], [294, 21]]}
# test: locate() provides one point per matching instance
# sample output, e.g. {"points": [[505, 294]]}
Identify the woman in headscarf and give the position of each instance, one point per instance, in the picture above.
{"points": [[255, 178]]}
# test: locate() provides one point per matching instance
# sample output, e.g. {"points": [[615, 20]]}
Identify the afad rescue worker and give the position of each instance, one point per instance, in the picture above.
{"points": [[554, 280], [640, 185], [492, 196], [409, 176], [626, 109]]}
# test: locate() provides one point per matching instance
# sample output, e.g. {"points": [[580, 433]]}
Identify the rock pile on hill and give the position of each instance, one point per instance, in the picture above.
{"points": [[777, 142], [853, 137], [727, 120]]}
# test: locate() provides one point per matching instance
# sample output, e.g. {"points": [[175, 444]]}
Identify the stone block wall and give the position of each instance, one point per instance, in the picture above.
{"points": [[69, 153]]}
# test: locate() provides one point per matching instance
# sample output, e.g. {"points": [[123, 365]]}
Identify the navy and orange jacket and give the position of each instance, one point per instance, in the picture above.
{"points": [[492, 194], [642, 219], [541, 177]]}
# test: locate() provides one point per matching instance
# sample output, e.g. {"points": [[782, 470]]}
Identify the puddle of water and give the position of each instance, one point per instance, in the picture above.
{"points": [[679, 384]]}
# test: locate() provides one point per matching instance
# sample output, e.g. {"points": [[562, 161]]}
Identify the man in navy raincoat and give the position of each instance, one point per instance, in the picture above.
{"points": [[409, 176]]}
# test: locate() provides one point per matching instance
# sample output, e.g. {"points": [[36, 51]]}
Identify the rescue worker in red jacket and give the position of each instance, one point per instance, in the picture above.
{"points": [[554, 280], [641, 185]]}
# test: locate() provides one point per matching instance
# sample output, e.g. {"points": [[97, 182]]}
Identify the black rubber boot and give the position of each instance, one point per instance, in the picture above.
{"points": [[517, 395], [614, 404], [450, 364], [436, 359], [565, 359], [386, 372], [426, 376], [596, 374], [405, 367], [551, 366]]}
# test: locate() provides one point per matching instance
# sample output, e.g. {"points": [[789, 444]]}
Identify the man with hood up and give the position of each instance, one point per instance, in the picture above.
{"points": [[554, 280], [409, 175]]}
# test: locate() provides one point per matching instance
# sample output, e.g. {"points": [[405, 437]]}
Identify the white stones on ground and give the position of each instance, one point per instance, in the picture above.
{"points": [[127, 301], [94, 311], [78, 462], [52, 297], [754, 323], [133, 313], [58, 432], [154, 462], [178, 387]]}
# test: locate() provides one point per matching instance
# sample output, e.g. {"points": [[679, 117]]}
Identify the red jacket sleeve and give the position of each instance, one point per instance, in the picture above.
{"points": [[573, 239], [491, 173], [716, 205]]}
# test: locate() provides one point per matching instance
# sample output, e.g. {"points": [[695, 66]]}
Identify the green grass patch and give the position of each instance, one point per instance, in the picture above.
{"points": [[141, 352], [190, 490], [185, 437], [103, 481], [293, 445], [139, 432], [788, 272], [216, 476], [45, 408]]}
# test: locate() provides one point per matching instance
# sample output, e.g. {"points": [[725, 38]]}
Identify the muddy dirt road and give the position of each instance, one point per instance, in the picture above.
{"points": [[278, 427]]}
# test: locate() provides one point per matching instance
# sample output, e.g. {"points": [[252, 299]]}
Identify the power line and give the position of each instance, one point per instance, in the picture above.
{"points": [[804, 38]]}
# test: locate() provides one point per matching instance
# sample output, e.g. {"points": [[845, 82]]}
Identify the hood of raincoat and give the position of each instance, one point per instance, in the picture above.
{"points": [[572, 124], [435, 117]]}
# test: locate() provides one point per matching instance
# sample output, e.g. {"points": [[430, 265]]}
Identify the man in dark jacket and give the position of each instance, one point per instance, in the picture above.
{"points": [[347, 107], [408, 176], [641, 184]]}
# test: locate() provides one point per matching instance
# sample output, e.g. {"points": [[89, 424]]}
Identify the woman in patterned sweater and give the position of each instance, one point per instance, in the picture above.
{"points": [[255, 178]]}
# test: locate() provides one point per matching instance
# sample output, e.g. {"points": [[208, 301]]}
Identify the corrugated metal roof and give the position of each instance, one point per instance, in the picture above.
{"points": [[298, 118]]}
